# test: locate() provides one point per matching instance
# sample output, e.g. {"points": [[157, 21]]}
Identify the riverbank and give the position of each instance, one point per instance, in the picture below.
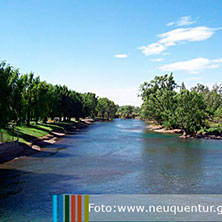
{"points": [[159, 129], [30, 143], [202, 136]]}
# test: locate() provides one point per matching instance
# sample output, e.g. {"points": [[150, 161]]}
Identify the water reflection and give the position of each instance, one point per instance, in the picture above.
{"points": [[108, 157], [173, 165]]}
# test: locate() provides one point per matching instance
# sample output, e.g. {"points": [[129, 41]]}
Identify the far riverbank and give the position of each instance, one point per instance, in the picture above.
{"points": [[159, 129]]}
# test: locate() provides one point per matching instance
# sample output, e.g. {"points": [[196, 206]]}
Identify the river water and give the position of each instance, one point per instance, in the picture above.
{"points": [[108, 157]]}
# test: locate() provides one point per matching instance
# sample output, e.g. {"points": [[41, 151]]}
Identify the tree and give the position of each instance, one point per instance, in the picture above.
{"points": [[218, 114], [26, 97], [5, 92], [111, 110], [190, 111], [159, 101], [182, 87], [41, 107], [30, 95], [213, 97], [62, 101], [106, 108], [187, 110], [16, 101], [89, 101], [127, 112]]}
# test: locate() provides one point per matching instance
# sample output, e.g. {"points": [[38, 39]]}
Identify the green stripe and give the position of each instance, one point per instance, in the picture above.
{"points": [[86, 208], [66, 208]]}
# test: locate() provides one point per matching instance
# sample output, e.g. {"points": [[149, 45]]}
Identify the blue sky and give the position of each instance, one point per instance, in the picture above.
{"points": [[110, 47]]}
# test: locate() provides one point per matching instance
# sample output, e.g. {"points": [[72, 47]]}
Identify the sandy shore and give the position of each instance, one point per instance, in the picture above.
{"points": [[160, 129]]}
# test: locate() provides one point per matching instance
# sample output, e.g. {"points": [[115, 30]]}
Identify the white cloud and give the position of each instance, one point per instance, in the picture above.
{"points": [[178, 36], [217, 60], [183, 21], [170, 23], [121, 56], [200, 33], [152, 49], [193, 65], [157, 60]]}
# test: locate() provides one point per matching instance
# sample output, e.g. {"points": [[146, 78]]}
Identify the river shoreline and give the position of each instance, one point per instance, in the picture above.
{"points": [[159, 129], [16, 150]]}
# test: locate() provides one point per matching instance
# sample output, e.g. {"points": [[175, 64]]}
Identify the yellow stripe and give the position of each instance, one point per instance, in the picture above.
{"points": [[86, 208]]}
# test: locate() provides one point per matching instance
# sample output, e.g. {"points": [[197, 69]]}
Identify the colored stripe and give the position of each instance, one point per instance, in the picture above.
{"points": [[79, 208], [66, 208], [54, 208], [86, 208], [60, 208], [73, 208]]}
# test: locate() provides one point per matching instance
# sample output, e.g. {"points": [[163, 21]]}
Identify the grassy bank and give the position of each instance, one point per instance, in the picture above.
{"points": [[37, 130]]}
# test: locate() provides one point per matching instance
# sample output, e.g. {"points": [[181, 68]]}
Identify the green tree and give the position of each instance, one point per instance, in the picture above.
{"points": [[89, 101], [16, 101], [106, 108], [26, 97], [213, 97], [127, 112], [30, 95], [5, 92], [159, 101], [191, 111], [182, 87], [41, 108]]}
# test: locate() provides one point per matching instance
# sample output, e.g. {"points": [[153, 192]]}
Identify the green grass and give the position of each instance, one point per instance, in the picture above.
{"points": [[35, 130]]}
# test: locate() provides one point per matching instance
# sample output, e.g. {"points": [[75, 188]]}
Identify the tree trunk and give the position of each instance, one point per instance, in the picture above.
{"points": [[28, 118], [44, 119], [18, 122]]}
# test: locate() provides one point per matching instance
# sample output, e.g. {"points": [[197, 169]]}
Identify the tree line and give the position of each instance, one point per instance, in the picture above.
{"points": [[174, 106], [25, 97], [128, 112]]}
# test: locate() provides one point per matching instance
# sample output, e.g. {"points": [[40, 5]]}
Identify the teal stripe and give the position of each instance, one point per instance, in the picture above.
{"points": [[54, 208]]}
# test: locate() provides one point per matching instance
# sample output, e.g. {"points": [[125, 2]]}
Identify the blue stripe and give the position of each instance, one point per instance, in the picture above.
{"points": [[54, 208], [61, 208]]}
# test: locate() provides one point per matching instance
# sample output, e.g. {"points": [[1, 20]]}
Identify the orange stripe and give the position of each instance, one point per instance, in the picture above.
{"points": [[73, 208], [79, 212]]}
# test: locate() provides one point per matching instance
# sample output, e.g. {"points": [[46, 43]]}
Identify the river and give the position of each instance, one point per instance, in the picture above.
{"points": [[108, 157]]}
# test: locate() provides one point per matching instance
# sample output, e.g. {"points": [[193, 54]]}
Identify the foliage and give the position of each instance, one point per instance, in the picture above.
{"points": [[212, 97], [191, 111], [25, 98], [106, 108], [127, 112], [187, 109], [89, 104], [159, 100], [5, 91]]}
